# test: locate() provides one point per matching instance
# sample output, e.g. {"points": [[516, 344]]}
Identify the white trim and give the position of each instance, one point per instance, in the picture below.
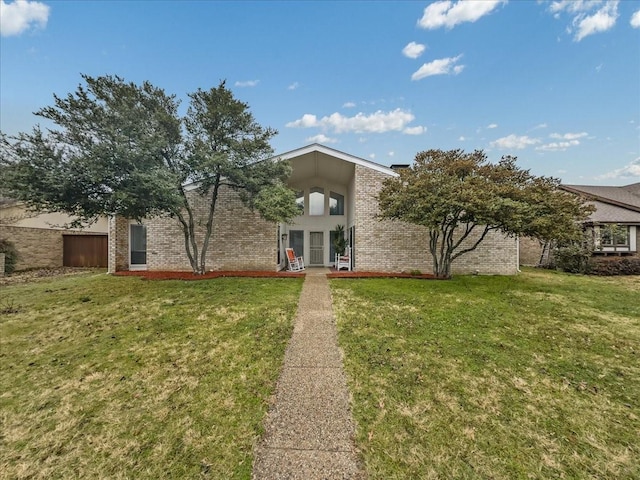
{"points": [[137, 266], [632, 238], [315, 147]]}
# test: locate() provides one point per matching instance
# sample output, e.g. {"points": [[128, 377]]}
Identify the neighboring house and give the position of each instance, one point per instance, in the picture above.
{"points": [[43, 241], [616, 221], [614, 225], [333, 188]]}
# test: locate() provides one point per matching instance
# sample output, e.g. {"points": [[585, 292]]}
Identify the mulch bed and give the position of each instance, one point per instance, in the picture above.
{"points": [[346, 274], [170, 275], [164, 275]]}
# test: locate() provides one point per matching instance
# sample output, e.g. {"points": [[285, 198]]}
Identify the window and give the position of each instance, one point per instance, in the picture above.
{"points": [[300, 201], [336, 204], [316, 201], [614, 235], [138, 244]]}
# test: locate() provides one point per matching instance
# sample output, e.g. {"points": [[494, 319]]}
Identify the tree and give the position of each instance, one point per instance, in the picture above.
{"points": [[122, 149], [456, 194]]}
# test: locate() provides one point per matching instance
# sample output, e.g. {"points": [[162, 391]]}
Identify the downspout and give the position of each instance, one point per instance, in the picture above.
{"points": [[518, 254]]}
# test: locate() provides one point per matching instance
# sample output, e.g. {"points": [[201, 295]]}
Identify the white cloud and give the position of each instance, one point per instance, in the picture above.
{"points": [[391, 154], [631, 170], [588, 16], [442, 66], [558, 146], [449, 14], [247, 83], [20, 15], [348, 105], [461, 139], [372, 156], [293, 86], [514, 142], [378, 122], [568, 136], [601, 21], [321, 138], [414, 130], [413, 50], [492, 125], [635, 20], [540, 126]]}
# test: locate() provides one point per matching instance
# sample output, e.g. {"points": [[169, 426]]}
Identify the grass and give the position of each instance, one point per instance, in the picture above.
{"points": [[107, 377], [528, 377]]}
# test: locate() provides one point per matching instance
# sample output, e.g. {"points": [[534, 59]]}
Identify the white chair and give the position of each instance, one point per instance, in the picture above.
{"points": [[344, 261], [296, 264]]}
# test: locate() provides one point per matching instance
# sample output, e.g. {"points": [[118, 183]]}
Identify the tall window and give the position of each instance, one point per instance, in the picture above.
{"points": [[614, 235], [336, 204], [316, 201], [300, 201]]}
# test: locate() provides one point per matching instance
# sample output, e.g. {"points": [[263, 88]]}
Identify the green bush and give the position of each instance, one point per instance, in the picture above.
{"points": [[10, 255], [616, 266], [573, 258]]}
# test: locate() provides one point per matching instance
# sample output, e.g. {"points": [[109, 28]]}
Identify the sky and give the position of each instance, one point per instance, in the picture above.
{"points": [[554, 83]]}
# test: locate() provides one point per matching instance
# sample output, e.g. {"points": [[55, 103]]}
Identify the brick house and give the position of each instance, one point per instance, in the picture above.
{"points": [[43, 240], [614, 226], [333, 188]]}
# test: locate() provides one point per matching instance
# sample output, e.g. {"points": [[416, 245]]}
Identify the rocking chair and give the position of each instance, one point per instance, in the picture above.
{"points": [[296, 264], [344, 261]]}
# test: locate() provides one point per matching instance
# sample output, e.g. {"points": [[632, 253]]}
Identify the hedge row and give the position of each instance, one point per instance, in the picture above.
{"points": [[615, 266]]}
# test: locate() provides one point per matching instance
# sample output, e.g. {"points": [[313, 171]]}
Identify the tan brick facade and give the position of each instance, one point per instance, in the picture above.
{"points": [[241, 240], [390, 246], [37, 247]]}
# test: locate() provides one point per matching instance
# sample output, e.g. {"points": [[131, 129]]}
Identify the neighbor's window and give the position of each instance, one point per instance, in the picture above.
{"points": [[336, 204], [300, 201], [614, 235], [316, 201]]}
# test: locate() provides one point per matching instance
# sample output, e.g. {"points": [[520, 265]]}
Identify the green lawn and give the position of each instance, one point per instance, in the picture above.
{"points": [[528, 377], [105, 377]]}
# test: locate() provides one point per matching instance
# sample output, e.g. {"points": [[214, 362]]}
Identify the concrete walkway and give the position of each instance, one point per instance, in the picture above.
{"points": [[309, 429]]}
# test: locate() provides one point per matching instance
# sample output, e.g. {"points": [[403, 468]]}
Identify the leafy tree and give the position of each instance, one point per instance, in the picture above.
{"points": [[122, 149], [456, 194]]}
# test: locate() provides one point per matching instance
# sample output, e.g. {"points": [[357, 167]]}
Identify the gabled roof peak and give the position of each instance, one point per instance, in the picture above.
{"points": [[347, 157]]}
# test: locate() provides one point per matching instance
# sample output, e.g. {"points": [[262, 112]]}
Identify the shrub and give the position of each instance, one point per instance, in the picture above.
{"points": [[615, 266], [10, 255], [573, 259]]}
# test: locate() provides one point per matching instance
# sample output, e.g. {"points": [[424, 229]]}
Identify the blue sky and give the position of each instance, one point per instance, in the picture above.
{"points": [[555, 83]]}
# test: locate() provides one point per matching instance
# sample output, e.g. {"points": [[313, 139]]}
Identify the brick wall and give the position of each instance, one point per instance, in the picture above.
{"points": [[397, 246], [37, 247], [241, 239], [530, 251]]}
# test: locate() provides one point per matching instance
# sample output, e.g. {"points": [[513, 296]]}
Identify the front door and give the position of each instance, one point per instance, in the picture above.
{"points": [[316, 248], [296, 241]]}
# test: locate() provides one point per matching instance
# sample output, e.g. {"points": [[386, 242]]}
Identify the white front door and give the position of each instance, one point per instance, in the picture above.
{"points": [[316, 248]]}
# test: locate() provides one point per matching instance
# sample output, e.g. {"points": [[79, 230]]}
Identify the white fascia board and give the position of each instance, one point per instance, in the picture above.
{"points": [[316, 147]]}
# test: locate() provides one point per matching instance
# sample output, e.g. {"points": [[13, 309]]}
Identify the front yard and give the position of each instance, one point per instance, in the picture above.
{"points": [[106, 377], [532, 377]]}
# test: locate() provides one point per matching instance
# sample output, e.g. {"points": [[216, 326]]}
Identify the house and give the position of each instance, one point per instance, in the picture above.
{"points": [[615, 224], [43, 240], [333, 188]]}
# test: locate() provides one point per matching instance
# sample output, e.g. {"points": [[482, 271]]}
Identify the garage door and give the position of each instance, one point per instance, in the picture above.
{"points": [[85, 250]]}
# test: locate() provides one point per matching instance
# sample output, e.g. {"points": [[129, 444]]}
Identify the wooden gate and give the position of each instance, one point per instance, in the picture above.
{"points": [[85, 250]]}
